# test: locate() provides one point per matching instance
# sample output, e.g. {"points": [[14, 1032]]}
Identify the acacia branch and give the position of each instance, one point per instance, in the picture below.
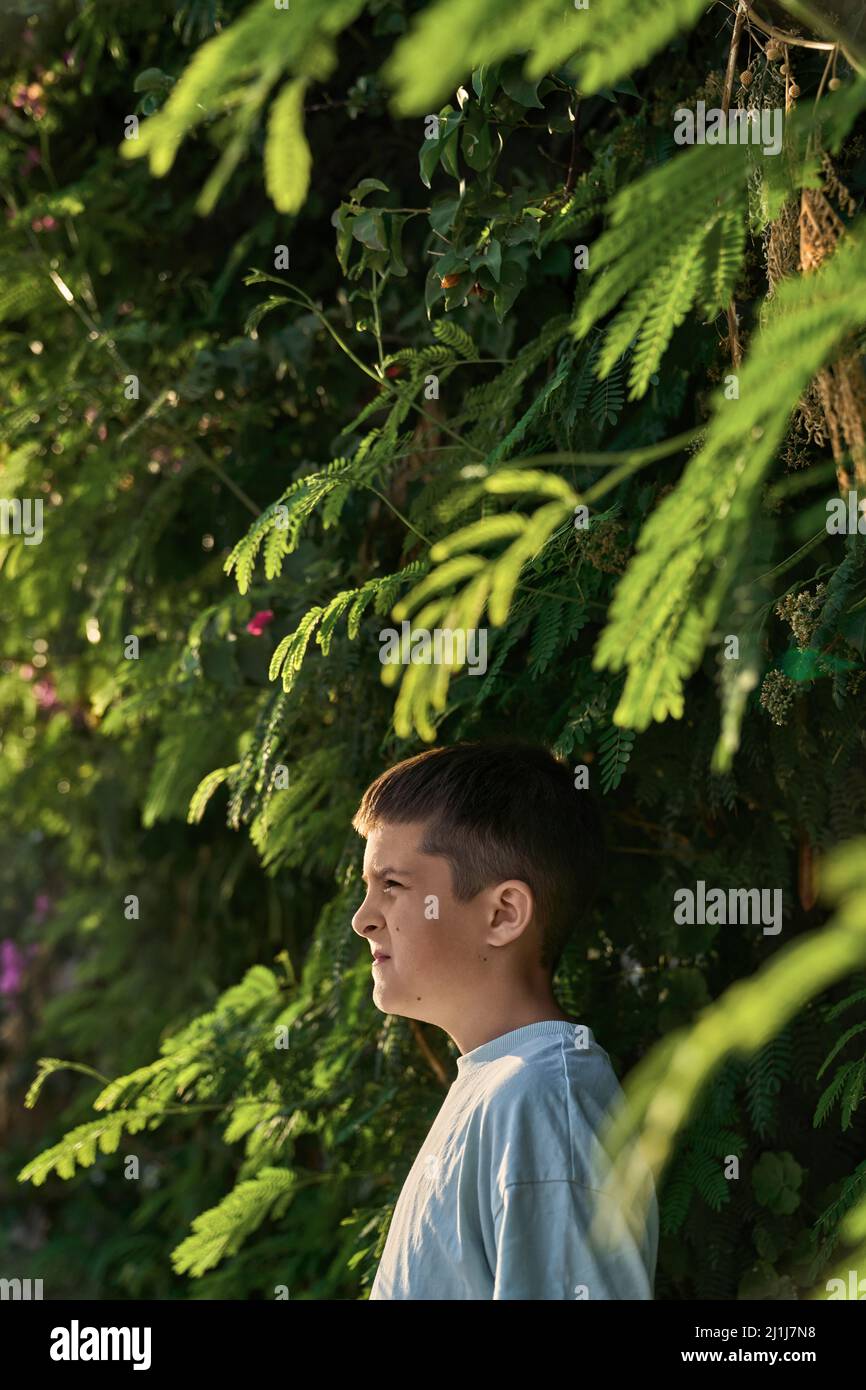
{"points": [[739, 21]]}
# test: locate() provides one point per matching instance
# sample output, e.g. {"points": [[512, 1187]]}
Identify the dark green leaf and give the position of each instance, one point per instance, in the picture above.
{"points": [[397, 265], [449, 153], [485, 81], [511, 283], [518, 87], [369, 229], [360, 191], [152, 79], [477, 145], [428, 158], [493, 258], [442, 213]]}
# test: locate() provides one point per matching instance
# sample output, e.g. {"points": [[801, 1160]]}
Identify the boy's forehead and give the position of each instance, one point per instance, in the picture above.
{"points": [[392, 846]]}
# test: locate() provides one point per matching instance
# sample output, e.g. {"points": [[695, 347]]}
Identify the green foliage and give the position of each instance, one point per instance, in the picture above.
{"points": [[667, 606], [221, 1232], [407, 428], [615, 751], [608, 44], [80, 1146], [251, 55], [287, 154]]}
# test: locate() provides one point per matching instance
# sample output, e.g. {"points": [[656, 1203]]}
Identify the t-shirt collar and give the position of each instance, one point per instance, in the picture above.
{"points": [[513, 1041]]}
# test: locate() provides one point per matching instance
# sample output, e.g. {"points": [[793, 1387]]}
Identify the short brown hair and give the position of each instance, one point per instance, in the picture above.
{"points": [[496, 811]]}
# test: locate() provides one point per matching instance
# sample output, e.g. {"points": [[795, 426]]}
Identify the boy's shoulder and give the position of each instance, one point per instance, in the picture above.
{"points": [[540, 1111], [564, 1079]]}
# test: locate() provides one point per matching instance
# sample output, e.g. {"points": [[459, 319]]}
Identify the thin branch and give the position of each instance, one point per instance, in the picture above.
{"points": [[305, 302], [430, 1056], [782, 34], [388, 503], [569, 180], [733, 52], [795, 41]]}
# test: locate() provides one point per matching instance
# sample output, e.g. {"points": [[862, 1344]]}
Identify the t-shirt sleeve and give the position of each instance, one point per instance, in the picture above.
{"points": [[544, 1249]]}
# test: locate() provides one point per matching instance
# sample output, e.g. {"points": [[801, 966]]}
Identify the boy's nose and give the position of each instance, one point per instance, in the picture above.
{"points": [[365, 919]]}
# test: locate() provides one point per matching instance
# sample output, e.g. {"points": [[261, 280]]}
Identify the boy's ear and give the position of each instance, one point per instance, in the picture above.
{"points": [[512, 905]]}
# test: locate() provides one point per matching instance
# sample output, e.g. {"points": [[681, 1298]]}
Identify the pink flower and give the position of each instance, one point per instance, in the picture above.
{"points": [[45, 693], [259, 621], [12, 963], [26, 671], [49, 223], [42, 905]]}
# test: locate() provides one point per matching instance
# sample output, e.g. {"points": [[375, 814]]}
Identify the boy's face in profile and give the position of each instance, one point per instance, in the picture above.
{"points": [[434, 943]]}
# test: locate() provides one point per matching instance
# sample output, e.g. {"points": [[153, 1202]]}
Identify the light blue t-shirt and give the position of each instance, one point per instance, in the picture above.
{"points": [[499, 1202]]}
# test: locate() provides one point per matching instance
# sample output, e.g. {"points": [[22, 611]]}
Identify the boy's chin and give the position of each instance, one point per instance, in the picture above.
{"points": [[388, 1001]]}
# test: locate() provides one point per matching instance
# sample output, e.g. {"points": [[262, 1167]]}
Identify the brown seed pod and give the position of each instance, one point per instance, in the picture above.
{"points": [[794, 90], [746, 78], [785, 68], [773, 51], [834, 84], [448, 281]]}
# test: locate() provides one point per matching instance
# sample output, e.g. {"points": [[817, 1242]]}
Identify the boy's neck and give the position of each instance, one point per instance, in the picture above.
{"points": [[477, 1032]]}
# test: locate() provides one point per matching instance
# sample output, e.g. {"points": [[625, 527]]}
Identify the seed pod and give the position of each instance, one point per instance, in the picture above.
{"points": [[448, 281], [773, 51], [785, 68], [834, 84], [794, 90], [746, 78]]}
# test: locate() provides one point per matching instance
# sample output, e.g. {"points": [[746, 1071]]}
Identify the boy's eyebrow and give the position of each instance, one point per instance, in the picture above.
{"points": [[385, 873]]}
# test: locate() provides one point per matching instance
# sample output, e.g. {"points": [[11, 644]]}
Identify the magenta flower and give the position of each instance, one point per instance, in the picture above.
{"points": [[12, 962], [42, 905], [45, 693], [259, 621]]}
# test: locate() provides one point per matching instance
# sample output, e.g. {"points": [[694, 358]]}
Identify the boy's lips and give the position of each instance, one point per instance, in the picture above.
{"points": [[379, 956]]}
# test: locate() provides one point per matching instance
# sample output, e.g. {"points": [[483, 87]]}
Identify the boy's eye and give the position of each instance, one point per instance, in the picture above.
{"points": [[392, 881]]}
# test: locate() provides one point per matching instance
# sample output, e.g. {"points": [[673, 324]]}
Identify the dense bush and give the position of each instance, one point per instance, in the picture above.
{"points": [[291, 352]]}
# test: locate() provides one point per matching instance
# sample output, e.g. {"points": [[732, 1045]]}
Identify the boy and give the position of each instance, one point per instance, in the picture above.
{"points": [[480, 860]]}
